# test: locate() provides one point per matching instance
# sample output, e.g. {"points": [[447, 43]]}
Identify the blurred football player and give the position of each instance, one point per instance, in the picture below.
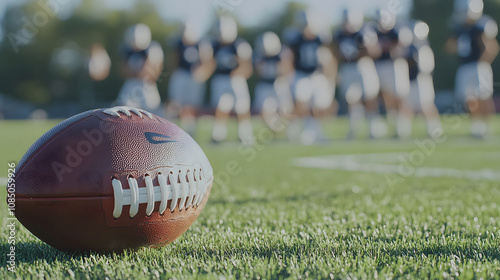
{"points": [[475, 43], [229, 86], [273, 98], [355, 45], [194, 65], [392, 68], [313, 92], [143, 63], [420, 59]]}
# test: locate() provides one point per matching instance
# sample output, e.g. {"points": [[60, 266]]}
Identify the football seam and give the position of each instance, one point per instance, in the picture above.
{"points": [[115, 112], [189, 186]]}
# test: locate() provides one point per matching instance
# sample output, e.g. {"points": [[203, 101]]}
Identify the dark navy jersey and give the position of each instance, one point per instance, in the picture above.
{"points": [[267, 67], [351, 46], [305, 52], [188, 55], [128, 52], [387, 40], [226, 56], [134, 59], [469, 41]]}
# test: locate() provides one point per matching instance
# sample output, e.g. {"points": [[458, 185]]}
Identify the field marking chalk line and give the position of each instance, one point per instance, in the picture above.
{"points": [[361, 163]]}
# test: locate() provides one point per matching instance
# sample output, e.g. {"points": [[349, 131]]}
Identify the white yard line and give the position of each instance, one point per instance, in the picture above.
{"points": [[361, 163], [3, 182]]}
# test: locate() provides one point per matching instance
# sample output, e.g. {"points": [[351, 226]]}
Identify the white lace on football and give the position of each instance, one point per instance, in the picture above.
{"points": [[115, 111], [189, 186]]}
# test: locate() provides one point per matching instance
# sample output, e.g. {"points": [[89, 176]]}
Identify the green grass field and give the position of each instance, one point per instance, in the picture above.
{"points": [[403, 212]]}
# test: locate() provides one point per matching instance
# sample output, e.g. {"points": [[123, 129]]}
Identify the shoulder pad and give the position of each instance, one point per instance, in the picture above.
{"points": [[488, 26]]}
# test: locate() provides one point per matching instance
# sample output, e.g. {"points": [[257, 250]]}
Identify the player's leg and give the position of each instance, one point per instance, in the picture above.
{"points": [[485, 97], [371, 89], [285, 100], [322, 103], [176, 87], [391, 105], [223, 100], [478, 127], [386, 74], [351, 88], [152, 99], [323, 99], [402, 90], [306, 89], [414, 99], [267, 104], [356, 110], [241, 94], [426, 96], [192, 101], [302, 92], [183, 95], [470, 89], [405, 118], [188, 119], [486, 108]]}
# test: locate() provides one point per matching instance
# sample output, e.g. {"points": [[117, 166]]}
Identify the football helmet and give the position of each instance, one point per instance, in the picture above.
{"points": [[468, 10], [227, 29], [138, 37], [268, 44]]}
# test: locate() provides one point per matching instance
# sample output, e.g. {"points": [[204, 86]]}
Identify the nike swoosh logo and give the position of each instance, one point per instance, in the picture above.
{"points": [[157, 138]]}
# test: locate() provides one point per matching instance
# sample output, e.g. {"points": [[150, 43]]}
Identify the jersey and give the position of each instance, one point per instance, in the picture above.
{"points": [[189, 55], [135, 60], [305, 52], [267, 67], [387, 40], [226, 56], [469, 41], [352, 46]]}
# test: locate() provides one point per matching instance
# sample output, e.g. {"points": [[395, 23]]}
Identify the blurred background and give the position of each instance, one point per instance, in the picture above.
{"points": [[45, 45]]}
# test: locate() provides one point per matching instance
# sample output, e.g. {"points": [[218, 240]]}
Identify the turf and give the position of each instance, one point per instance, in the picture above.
{"points": [[267, 218]]}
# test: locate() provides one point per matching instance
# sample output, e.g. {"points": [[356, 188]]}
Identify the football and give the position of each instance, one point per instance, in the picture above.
{"points": [[108, 180]]}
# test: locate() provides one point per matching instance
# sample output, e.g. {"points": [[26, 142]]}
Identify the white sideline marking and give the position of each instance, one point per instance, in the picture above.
{"points": [[3, 181], [361, 163]]}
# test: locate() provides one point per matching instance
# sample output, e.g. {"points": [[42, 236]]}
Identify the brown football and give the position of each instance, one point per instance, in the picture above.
{"points": [[112, 179]]}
